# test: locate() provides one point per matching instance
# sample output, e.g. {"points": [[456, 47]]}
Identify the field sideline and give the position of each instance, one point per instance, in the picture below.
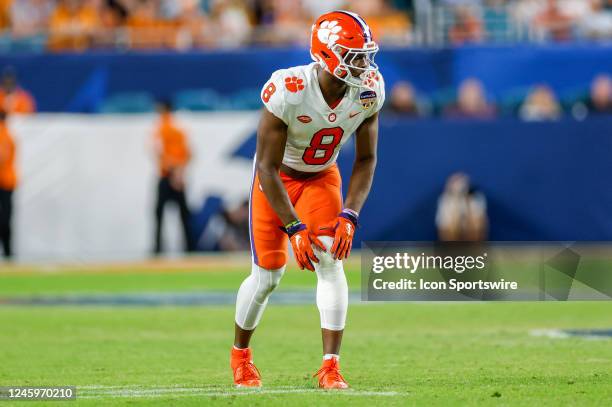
{"points": [[394, 353]]}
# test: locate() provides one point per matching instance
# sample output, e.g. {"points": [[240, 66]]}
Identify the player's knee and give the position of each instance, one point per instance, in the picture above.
{"points": [[273, 260], [260, 284], [327, 263], [268, 279], [332, 288], [274, 278], [253, 295]]}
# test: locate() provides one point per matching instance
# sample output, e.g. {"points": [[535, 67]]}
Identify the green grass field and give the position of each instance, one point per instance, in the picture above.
{"points": [[393, 354]]}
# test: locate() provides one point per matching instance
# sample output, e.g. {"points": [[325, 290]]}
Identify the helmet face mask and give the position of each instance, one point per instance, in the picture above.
{"points": [[355, 60]]}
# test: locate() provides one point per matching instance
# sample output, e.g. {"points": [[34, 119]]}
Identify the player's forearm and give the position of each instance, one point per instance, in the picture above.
{"points": [[360, 183], [276, 194]]}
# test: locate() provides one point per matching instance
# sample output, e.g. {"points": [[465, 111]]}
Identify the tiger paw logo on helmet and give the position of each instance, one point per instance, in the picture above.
{"points": [[294, 84], [328, 32]]}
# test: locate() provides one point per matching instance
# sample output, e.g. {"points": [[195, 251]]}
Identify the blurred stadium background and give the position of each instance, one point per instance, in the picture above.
{"points": [[515, 94], [513, 98]]}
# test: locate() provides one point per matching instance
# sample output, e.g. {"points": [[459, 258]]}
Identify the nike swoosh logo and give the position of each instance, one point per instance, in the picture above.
{"points": [[351, 115]]}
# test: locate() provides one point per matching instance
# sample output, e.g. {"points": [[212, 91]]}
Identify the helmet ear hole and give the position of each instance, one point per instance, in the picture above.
{"points": [[340, 72]]}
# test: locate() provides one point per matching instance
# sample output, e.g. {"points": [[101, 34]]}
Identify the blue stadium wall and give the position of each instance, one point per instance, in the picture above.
{"points": [[80, 82], [543, 181]]}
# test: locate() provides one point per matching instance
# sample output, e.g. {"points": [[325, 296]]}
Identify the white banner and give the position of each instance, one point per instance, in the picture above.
{"points": [[87, 184]]}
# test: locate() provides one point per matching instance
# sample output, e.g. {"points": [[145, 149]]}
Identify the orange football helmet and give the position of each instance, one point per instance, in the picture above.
{"points": [[342, 42]]}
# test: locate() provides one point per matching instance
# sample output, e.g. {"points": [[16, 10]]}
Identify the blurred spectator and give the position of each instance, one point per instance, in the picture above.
{"points": [[541, 105], [552, 23], [404, 102], [173, 154], [315, 8], [228, 230], [231, 22], [113, 15], [5, 14], [599, 101], [388, 25], [8, 183], [14, 99], [462, 211], [601, 95], [30, 18], [466, 28], [575, 9], [282, 22], [73, 25], [598, 23], [147, 28], [525, 11], [498, 26], [170, 9], [195, 27], [471, 102]]}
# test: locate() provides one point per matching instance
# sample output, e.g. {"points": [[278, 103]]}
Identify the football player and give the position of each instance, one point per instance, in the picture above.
{"points": [[310, 112]]}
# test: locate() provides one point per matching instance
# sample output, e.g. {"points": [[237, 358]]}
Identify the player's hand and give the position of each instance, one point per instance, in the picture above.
{"points": [[347, 222], [302, 241]]}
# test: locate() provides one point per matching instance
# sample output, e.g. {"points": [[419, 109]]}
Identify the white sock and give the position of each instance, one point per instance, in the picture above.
{"points": [[253, 295], [328, 356]]}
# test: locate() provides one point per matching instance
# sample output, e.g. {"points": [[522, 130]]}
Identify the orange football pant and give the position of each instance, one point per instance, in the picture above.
{"points": [[317, 201]]}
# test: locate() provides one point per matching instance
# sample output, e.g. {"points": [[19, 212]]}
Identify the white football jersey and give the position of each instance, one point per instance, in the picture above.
{"points": [[315, 131]]}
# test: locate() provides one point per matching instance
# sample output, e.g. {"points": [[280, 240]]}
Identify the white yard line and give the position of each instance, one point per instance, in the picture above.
{"points": [[102, 392], [560, 334], [549, 333]]}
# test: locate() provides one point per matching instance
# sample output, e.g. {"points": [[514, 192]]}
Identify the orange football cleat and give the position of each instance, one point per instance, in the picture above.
{"points": [[245, 372], [329, 375]]}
